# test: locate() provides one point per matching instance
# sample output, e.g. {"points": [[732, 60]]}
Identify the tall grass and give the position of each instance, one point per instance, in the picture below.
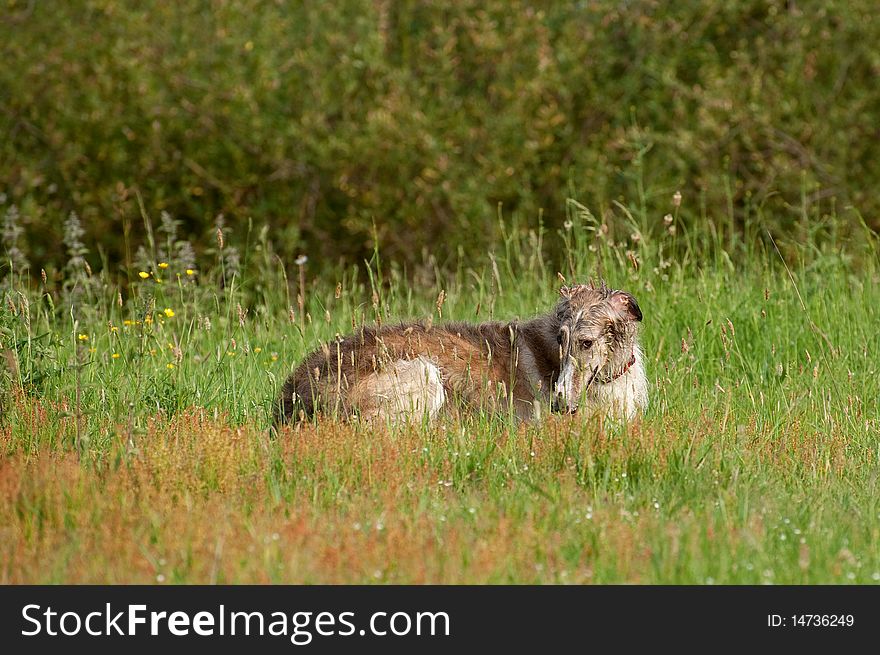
{"points": [[135, 408]]}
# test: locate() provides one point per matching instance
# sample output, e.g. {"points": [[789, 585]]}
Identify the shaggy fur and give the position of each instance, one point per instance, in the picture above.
{"points": [[583, 349]]}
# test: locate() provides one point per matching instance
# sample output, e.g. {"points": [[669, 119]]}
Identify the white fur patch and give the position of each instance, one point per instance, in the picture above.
{"points": [[411, 390], [626, 396]]}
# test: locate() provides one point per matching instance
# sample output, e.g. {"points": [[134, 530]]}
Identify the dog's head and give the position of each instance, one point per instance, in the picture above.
{"points": [[597, 337]]}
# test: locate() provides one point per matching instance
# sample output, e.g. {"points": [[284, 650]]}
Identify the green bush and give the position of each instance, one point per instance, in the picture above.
{"points": [[421, 118]]}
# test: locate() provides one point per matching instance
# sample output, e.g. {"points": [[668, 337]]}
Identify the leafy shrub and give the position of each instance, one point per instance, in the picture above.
{"points": [[419, 118]]}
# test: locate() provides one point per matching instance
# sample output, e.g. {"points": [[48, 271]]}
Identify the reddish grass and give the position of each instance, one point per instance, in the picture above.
{"points": [[198, 501]]}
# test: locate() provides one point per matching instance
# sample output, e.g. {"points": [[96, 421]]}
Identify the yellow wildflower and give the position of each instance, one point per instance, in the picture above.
{"points": [[115, 355], [163, 264], [169, 312], [83, 337], [144, 275]]}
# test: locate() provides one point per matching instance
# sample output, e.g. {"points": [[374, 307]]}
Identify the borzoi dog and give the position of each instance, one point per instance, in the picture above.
{"points": [[585, 351]]}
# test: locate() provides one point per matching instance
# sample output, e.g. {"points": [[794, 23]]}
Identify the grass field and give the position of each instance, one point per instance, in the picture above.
{"points": [[134, 445]]}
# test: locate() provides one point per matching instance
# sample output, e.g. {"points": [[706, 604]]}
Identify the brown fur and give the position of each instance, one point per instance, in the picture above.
{"points": [[472, 358]]}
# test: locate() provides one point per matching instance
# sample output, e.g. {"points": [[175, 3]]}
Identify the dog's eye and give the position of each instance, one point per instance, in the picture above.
{"points": [[559, 339], [586, 344]]}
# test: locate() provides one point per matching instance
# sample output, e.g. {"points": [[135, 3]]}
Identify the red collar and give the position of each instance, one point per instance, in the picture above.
{"points": [[620, 373]]}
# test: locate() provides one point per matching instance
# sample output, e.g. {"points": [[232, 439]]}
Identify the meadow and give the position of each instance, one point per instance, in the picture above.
{"points": [[135, 443]]}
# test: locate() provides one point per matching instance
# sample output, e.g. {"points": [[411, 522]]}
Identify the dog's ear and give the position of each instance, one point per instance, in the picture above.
{"points": [[626, 305], [565, 292]]}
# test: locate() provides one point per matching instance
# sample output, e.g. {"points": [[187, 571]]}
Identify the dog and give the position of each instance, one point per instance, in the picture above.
{"points": [[585, 350]]}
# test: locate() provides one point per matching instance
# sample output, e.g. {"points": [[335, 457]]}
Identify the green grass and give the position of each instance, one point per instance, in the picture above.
{"points": [[757, 460]]}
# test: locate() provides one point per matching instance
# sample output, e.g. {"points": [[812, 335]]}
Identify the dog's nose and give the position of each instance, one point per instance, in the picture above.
{"points": [[558, 406], [563, 410]]}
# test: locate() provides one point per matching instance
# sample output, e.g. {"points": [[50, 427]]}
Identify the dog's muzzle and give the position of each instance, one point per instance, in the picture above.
{"points": [[559, 406]]}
